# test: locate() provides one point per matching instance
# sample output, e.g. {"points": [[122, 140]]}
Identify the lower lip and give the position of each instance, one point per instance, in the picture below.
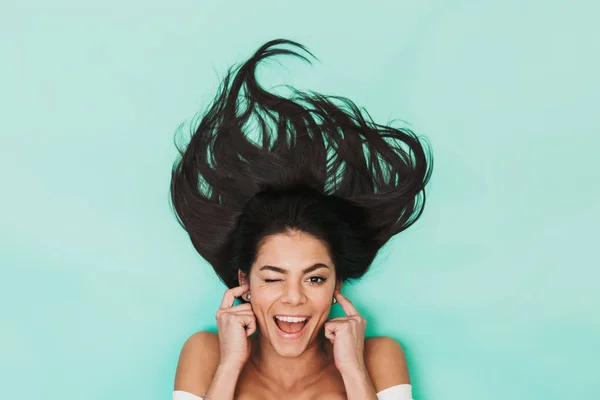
{"points": [[292, 336]]}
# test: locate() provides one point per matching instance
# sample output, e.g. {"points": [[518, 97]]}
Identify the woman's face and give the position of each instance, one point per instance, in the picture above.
{"points": [[291, 286]]}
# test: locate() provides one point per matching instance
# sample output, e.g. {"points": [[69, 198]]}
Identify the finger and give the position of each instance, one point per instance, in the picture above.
{"points": [[228, 312], [330, 336], [332, 326], [242, 319], [245, 314], [224, 314], [346, 304], [249, 324], [231, 294], [241, 307], [330, 330], [340, 319]]}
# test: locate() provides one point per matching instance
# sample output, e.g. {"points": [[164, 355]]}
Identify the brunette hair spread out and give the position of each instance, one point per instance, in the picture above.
{"points": [[260, 163]]}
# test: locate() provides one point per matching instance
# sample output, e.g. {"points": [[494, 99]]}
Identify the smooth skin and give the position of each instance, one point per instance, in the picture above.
{"points": [[292, 274]]}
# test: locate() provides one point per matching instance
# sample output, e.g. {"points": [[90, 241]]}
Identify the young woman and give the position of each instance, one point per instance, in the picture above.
{"points": [[288, 197]]}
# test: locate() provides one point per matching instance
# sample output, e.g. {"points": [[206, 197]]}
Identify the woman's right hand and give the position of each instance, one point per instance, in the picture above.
{"points": [[235, 324]]}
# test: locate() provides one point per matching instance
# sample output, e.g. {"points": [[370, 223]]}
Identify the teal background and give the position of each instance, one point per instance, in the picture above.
{"points": [[493, 293]]}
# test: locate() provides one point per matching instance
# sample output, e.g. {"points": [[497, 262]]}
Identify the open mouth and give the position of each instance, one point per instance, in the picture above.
{"points": [[290, 327]]}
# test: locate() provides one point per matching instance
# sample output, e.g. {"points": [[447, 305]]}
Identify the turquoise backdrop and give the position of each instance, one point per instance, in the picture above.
{"points": [[493, 293]]}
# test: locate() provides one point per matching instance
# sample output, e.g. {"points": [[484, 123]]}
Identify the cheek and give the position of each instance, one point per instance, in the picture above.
{"points": [[262, 298], [321, 296], [323, 300]]}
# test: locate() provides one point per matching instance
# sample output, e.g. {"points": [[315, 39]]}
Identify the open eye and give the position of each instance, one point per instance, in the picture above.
{"points": [[316, 279]]}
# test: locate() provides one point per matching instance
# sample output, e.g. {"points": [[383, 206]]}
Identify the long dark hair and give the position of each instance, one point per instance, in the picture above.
{"points": [[261, 163]]}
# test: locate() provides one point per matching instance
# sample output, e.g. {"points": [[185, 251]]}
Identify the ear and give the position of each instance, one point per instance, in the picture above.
{"points": [[338, 286], [242, 278]]}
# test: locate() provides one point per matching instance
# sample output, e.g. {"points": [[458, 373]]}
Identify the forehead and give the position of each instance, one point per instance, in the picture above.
{"points": [[292, 251]]}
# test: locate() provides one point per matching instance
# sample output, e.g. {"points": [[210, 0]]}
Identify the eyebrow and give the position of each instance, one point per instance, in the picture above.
{"points": [[284, 271]]}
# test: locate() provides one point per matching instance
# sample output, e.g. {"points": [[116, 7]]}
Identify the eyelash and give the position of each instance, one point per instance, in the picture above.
{"points": [[322, 280]]}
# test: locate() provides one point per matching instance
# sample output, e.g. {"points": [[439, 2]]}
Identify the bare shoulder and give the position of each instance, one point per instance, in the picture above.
{"points": [[385, 362], [198, 361]]}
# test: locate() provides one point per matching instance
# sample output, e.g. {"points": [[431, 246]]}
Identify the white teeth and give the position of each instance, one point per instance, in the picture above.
{"points": [[291, 319]]}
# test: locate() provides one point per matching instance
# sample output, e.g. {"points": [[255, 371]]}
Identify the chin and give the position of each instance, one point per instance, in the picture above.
{"points": [[289, 351]]}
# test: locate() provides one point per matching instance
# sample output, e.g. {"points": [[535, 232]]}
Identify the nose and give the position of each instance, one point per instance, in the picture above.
{"points": [[293, 294]]}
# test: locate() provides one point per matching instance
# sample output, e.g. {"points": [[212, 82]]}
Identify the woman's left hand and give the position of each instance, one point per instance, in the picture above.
{"points": [[347, 334]]}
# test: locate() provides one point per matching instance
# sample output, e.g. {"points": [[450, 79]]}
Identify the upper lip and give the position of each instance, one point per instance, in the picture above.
{"points": [[292, 315]]}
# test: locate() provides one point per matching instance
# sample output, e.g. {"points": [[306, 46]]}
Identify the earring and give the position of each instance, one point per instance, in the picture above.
{"points": [[334, 301], [247, 296]]}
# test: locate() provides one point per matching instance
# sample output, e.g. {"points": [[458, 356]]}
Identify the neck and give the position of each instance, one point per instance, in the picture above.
{"points": [[291, 372]]}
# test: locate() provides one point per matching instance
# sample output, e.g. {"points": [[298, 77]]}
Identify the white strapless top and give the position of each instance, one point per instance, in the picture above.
{"points": [[398, 392]]}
